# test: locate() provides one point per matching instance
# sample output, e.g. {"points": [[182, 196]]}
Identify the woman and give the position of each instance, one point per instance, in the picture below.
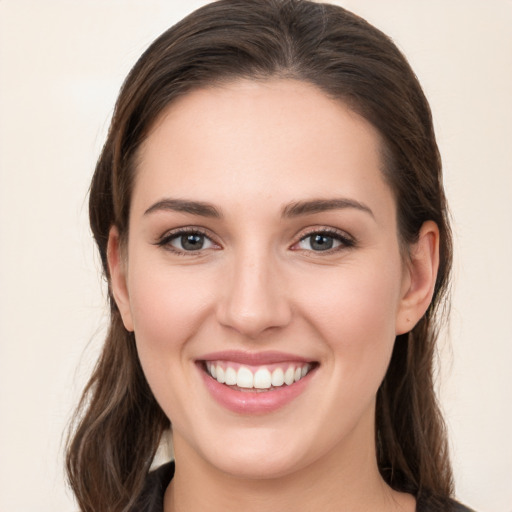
{"points": [[270, 216]]}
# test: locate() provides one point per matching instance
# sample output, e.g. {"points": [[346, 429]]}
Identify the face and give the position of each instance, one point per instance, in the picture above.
{"points": [[262, 276]]}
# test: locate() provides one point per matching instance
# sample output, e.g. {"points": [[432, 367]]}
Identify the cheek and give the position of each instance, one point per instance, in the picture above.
{"points": [[364, 299], [355, 310], [166, 302], [168, 307]]}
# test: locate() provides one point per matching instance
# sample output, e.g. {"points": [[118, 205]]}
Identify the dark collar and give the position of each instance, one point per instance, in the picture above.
{"points": [[152, 497]]}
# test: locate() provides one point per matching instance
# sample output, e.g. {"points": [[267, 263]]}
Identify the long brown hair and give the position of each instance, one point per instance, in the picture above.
{"points": [[118, 423]]}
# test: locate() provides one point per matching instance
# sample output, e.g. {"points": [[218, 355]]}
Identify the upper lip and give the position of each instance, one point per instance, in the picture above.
{"points": [[254, 358]]}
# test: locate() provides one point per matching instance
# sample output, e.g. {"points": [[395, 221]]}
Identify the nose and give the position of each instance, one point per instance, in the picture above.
{"points": [[254, 300]]}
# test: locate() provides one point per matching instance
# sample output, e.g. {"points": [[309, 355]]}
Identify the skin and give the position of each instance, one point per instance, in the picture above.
{"points": [[252, 149]]}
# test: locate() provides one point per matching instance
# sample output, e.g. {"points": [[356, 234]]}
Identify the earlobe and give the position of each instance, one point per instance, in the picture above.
{"points": [[420, 278], [118, 285]]}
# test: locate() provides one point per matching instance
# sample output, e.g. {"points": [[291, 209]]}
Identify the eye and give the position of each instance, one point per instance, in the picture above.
{"points": [[191, 242], [323, 241], [186, 241]]}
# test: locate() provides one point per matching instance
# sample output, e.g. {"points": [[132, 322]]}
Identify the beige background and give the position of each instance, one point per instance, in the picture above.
{"points": [[61, 65]]}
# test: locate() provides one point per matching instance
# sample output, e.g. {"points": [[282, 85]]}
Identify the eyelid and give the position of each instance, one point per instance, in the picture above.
{"points": [[164, 240], [347, 240]]}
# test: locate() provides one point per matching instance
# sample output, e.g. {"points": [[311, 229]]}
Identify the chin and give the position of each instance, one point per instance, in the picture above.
{"points": [[259, 465], [242, 453]]}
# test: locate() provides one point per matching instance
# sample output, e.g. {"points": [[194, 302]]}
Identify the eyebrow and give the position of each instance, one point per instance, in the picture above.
{"points": [[186, 206], [313, 206], [295, 209]]}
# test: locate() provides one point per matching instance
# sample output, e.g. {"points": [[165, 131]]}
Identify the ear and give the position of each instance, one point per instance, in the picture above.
{"points": [[419, 278], [118, 284]]}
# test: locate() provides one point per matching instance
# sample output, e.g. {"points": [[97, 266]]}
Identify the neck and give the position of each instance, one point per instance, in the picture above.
{"points": [[345, 479]]}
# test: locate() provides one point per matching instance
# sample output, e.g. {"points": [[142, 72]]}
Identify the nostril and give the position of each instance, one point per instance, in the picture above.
{"points": [[252, 319], [253, 299]]}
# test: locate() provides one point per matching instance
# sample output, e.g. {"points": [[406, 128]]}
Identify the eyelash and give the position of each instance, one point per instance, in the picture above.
{"points": [[345, 241], [167, 238]]}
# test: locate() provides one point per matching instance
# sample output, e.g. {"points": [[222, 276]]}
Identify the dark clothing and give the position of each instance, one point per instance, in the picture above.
{"points": [[152, 498]]}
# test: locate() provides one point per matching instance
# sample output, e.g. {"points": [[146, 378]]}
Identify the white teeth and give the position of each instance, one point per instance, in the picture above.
{"points": [[230, 376], [220, 375], [244, 378], [277, 377], [289, 375], [261, 379]]}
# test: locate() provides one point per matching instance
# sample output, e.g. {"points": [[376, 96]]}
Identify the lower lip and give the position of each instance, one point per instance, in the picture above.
{"points": [[254, 402]]}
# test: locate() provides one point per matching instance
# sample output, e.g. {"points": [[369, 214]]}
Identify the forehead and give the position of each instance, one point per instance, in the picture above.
{"points": [[253, 140]]}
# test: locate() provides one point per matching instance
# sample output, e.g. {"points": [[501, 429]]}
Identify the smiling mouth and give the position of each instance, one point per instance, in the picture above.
{"points": [[264, 378]]}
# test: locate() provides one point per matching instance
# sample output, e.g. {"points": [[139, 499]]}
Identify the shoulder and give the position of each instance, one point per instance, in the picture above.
{"points": [[152, 496], [431, 504], [461, 508]]}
